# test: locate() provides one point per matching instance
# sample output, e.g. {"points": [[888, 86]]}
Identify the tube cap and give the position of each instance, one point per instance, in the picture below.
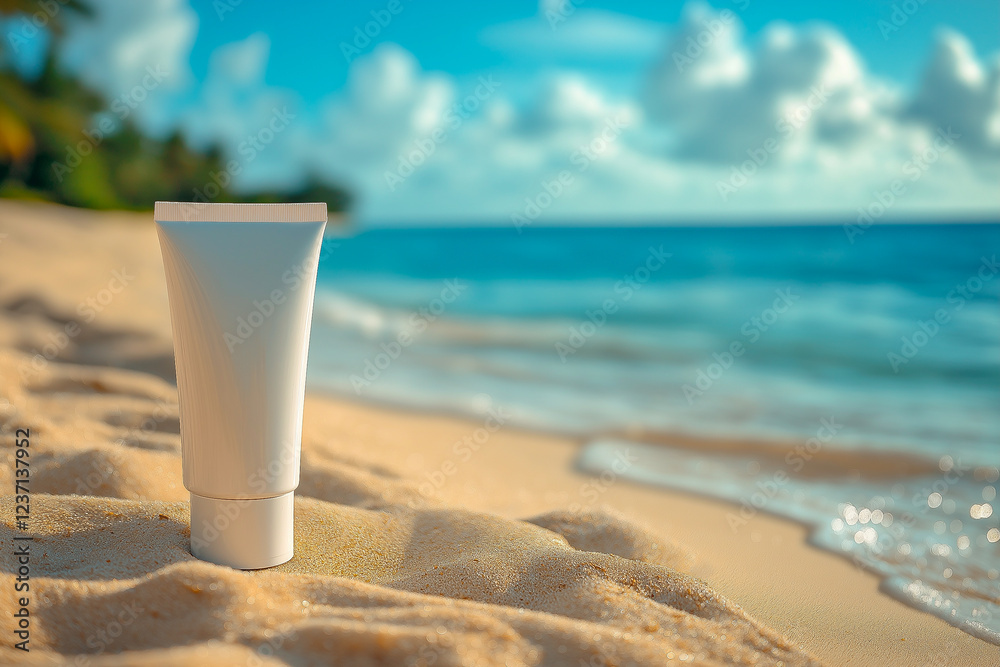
{"points": [[242, 533]]}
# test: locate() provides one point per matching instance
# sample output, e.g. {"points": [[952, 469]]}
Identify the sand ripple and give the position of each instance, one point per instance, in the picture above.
{"points": [[380, 576]]}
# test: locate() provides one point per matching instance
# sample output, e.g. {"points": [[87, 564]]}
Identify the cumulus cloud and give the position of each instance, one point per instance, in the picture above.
{"points": [[481, 157], [830, 135], [387, 104], [826, 135], [567, 103], [257, 125], [956, 91], [136, 52], [721, 99], [233, 93], [793, 125]]}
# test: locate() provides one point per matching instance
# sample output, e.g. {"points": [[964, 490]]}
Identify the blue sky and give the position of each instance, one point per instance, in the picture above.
{"points": [[526, 113], [444, 34]]}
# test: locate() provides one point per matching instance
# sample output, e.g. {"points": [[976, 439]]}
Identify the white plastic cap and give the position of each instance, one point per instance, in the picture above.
{"points": [[242, 533]]}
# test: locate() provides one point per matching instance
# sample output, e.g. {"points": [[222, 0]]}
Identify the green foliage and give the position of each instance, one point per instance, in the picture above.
{"points": [[53, 146]]}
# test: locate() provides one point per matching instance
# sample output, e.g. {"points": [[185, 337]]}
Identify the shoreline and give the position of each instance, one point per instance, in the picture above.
{"points": [[773, 540], [825, 605], [877, 462], [824, 464]]}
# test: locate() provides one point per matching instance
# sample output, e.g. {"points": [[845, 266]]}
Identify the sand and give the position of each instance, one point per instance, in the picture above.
{"points": [[405, 552]]}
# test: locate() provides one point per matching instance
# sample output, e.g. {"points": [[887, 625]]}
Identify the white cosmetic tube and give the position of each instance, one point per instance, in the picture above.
{"points": [[240, 282]]}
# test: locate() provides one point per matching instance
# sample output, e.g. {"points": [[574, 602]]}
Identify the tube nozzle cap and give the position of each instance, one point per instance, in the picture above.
{"points": [[242, 533]]}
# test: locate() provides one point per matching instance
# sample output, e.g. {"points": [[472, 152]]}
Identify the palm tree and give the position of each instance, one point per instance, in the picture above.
{"points": [[46, 151], [25, 115]]}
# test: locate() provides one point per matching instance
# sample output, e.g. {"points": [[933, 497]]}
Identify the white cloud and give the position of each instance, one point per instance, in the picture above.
{"points": [[115, 49], [703, 123], [233, 93], [472, 155], [387, 104], [257, 125], [721, 99], [798, 112], [567, 103], [957, 92]]}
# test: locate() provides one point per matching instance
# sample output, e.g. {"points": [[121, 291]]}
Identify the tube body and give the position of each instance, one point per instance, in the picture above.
{"points": [[240, 281]]}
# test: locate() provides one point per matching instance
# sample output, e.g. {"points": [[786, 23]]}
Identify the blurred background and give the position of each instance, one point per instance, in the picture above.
{"points": [[753, 244], [449, 113]]}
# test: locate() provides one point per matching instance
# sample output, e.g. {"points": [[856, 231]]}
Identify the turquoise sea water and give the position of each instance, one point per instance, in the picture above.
{"points": [[884, 342]]}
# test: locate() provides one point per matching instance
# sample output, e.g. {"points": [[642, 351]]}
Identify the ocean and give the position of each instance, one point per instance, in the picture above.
{"points": [[817, 352]]}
